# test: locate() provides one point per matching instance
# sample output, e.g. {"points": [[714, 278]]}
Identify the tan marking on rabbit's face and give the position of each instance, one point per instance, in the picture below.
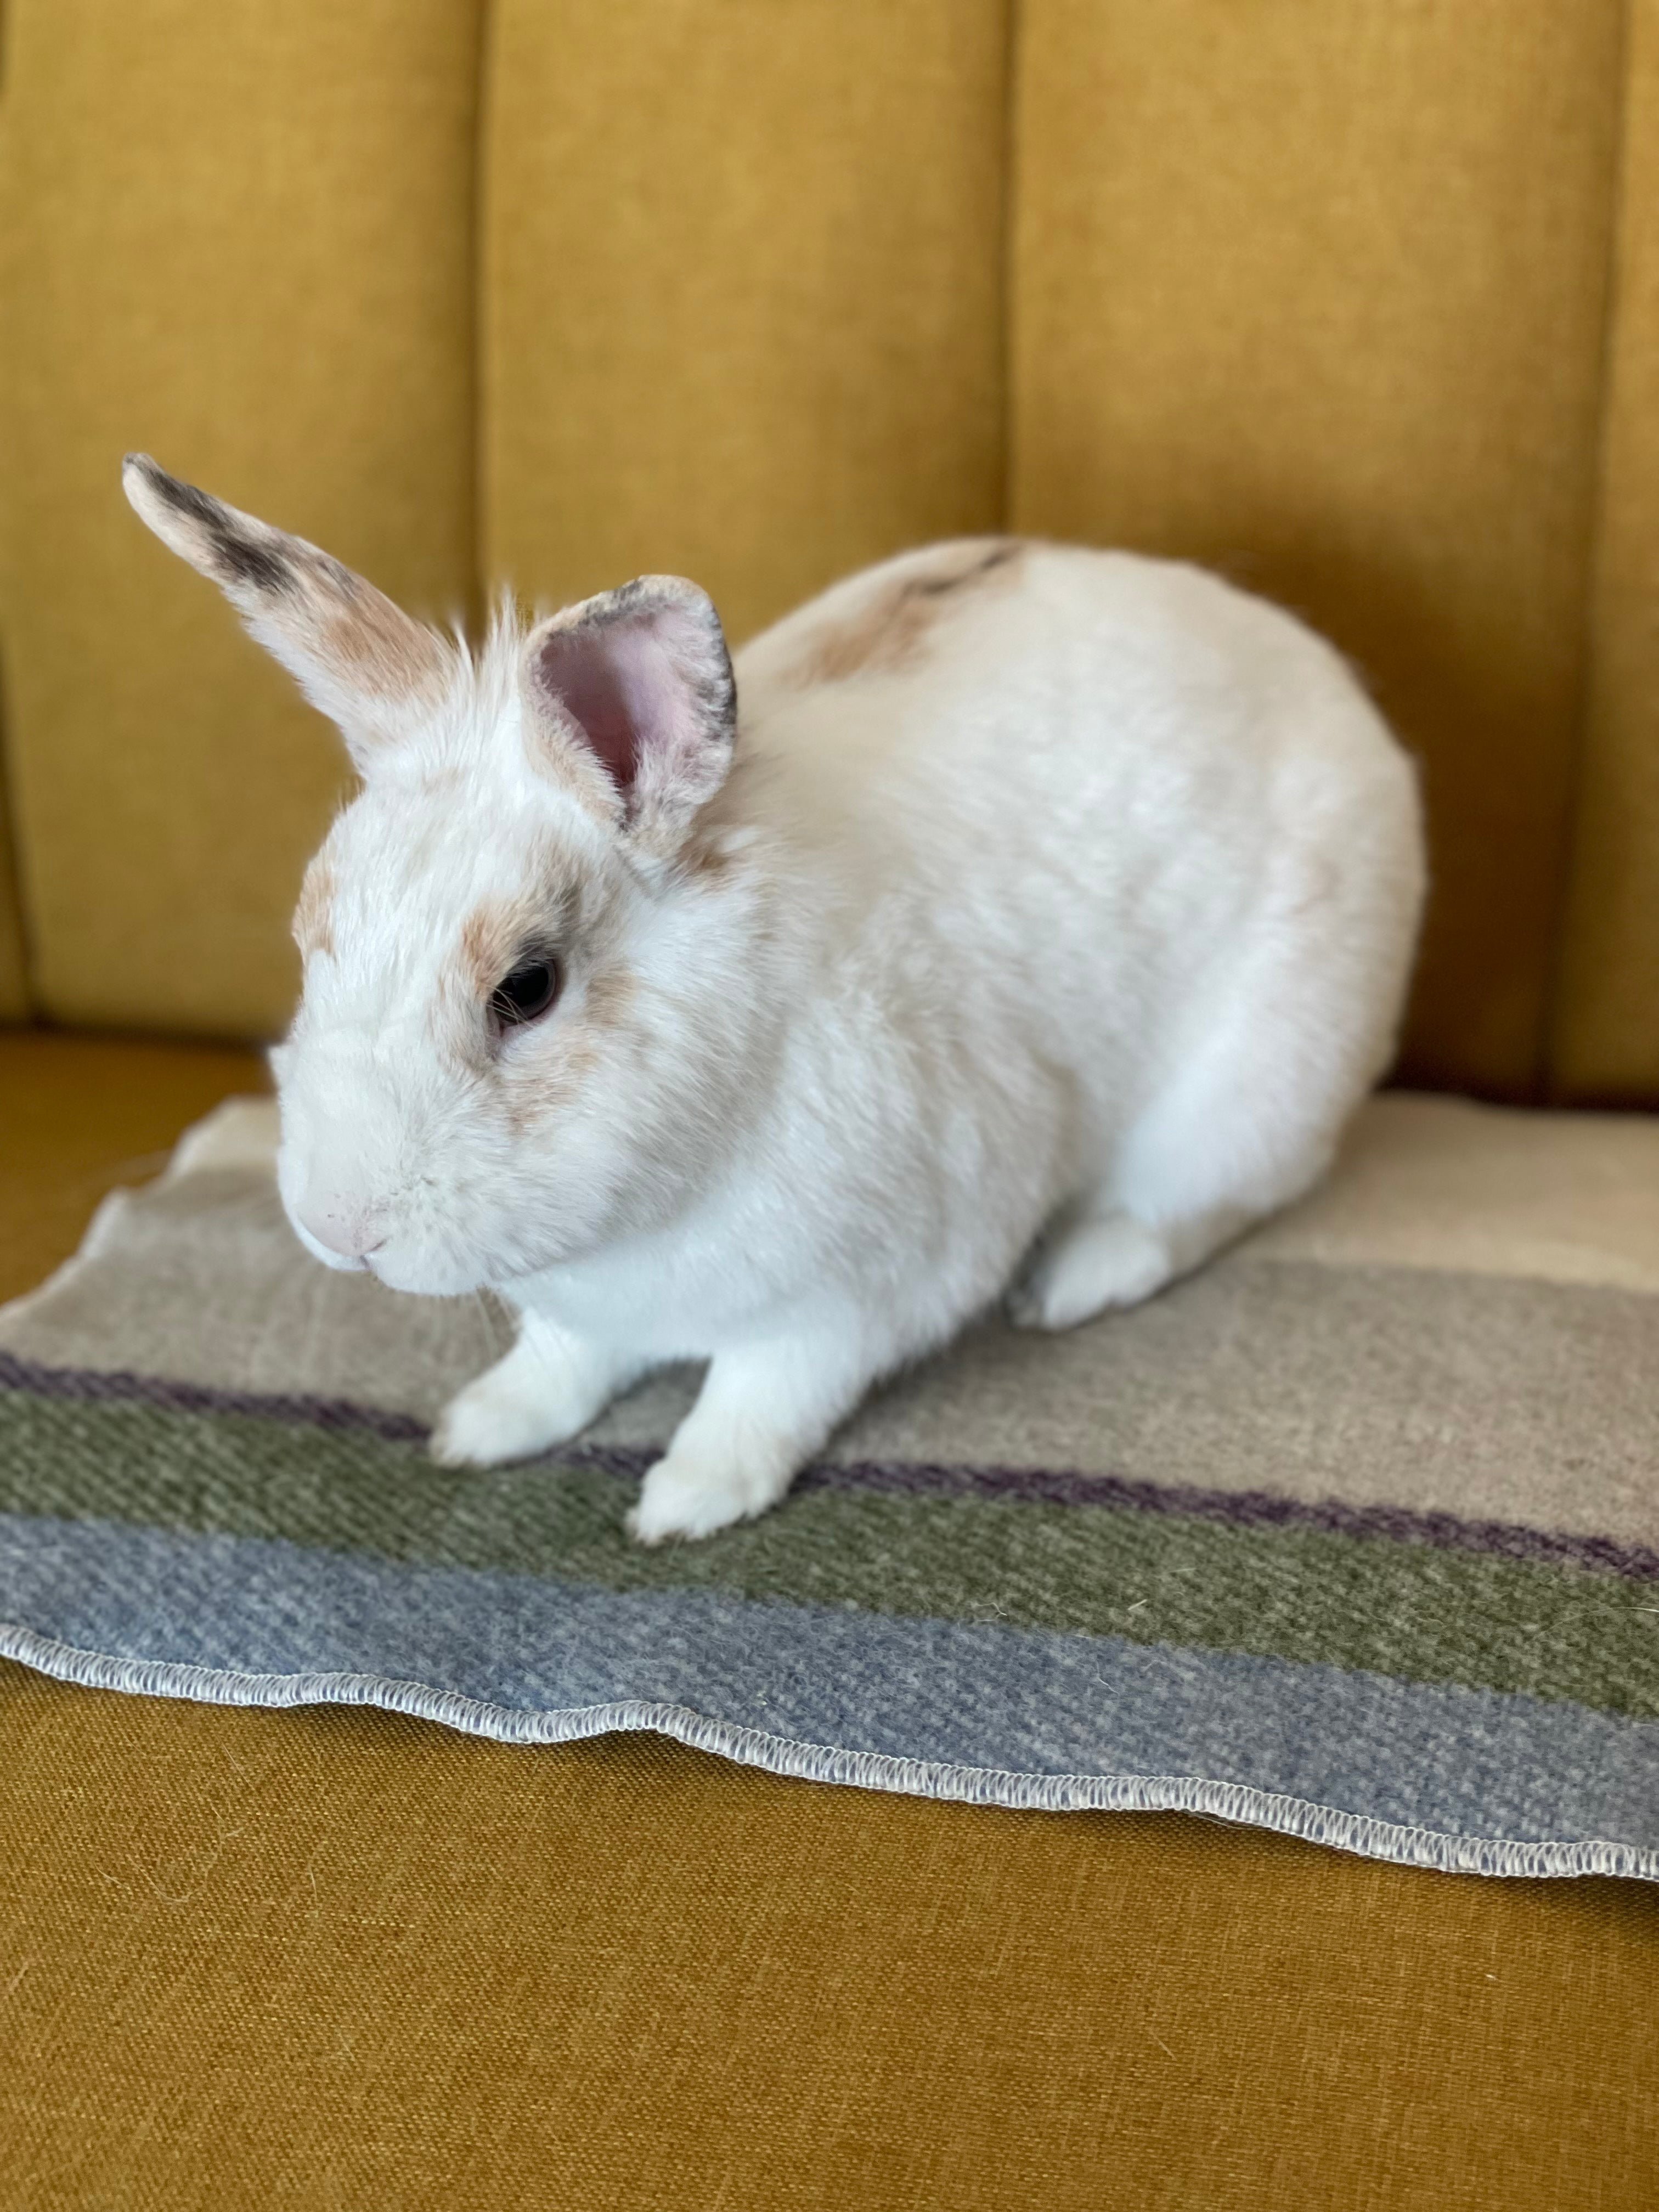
{"points": [[493, 939], [544, 1088], [607, 1001], [561, 913], [496, 935], [889, 633], [314, 917]]}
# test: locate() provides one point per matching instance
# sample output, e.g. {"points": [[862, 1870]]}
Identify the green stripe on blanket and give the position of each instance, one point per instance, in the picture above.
{"points": [[1155, 1577]]}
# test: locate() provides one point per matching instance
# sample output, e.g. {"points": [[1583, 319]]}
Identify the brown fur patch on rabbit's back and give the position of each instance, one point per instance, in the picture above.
{"points": [[890, 631]]}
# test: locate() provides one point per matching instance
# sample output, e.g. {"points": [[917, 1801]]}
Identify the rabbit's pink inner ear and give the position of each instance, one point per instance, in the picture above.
{"points": [[639, 679], [598, 679]]}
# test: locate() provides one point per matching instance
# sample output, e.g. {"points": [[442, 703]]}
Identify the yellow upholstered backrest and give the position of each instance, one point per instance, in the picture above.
{"points": [[1358, 300], [240, 236]]}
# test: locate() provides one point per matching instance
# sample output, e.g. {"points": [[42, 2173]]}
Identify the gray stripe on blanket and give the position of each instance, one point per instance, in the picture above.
{"points": [[1456, 1762]]}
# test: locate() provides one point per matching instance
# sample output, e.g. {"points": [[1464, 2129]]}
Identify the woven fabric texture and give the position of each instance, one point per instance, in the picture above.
{"points": [[1365, 1553]]}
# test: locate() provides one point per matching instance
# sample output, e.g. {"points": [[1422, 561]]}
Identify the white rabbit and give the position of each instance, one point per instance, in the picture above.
{"points": [[1018, 908]]}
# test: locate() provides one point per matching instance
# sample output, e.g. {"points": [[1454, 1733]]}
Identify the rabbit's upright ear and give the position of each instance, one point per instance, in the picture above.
{"points": [[369, 667], [633, 692]]}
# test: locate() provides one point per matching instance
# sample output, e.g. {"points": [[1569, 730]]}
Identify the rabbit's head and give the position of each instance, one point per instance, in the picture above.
{"points": [[531, 1010]]}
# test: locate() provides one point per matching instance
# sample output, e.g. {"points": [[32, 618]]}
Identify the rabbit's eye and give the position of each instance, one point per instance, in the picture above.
{"points": [[526, 993]]}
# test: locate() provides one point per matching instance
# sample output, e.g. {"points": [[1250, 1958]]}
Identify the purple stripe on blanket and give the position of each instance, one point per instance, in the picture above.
{"points": [[1238, 1509]]}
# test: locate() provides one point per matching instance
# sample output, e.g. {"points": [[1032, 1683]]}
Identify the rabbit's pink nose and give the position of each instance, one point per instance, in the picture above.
{"points": [[349, 1230]]}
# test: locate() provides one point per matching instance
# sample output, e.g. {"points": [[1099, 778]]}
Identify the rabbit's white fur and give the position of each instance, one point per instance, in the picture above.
{"points": [[1057, 911]]}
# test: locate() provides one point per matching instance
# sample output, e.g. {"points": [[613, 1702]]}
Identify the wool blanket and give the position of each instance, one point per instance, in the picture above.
{"points": [[1355, 1533]]}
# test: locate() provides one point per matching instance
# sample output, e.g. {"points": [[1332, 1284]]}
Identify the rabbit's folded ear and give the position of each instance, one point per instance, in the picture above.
{"points": [[372, 669], [636, 684]]}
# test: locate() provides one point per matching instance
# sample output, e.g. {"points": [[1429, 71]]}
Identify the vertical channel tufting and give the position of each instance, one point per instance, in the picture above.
{"points": [[14, 966], [1607, 1018], [743, 313], [1317, 294], [249, 249]]}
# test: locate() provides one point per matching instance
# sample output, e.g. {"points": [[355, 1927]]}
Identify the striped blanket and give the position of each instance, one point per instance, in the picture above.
{"points": [[1355, 1534]]}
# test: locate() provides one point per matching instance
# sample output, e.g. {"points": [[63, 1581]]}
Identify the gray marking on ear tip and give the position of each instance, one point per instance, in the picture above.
{"points": [[345, 579], [235, 558], [238, 560], [184, 498]]}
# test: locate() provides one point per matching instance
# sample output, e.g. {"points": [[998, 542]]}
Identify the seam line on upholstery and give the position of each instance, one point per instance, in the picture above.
{"points": [[10, 834], [1006, 288], [1547, 1087], [483, 48]]}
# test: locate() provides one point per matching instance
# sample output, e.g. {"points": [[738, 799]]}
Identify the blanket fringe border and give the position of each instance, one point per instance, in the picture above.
{"points": [[1360, 1833]]}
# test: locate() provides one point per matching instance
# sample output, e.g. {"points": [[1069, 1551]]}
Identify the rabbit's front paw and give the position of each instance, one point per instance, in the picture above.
{"points": [[485, 1425], [761, 1414], [685, 1497], [536, 1396]]}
